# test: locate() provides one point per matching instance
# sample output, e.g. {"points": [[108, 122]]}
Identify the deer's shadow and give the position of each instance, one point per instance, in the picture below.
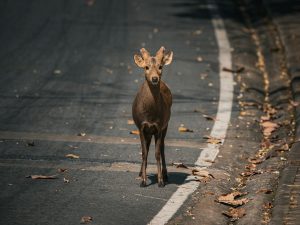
{"points": [[173, 178]]}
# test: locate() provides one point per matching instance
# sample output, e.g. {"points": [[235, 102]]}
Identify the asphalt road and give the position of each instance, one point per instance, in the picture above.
{"points": [[67, 68]]}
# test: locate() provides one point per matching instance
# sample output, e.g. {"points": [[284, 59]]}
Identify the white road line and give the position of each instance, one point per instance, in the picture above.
{"points": [[210, 152]]}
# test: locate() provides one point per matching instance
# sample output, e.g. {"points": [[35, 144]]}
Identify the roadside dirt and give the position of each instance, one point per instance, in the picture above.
{"points": [[261, 131]]}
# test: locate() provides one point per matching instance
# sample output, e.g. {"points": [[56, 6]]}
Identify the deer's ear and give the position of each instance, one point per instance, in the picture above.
{"points": [[139, 61], [168, 57]]}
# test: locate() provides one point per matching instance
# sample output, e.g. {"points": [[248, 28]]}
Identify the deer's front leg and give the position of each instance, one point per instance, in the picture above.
{"points": [[158, 141], [145, 142]]}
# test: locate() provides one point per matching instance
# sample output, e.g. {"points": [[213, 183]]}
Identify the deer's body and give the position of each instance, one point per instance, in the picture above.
{"points": [[151, 111]]}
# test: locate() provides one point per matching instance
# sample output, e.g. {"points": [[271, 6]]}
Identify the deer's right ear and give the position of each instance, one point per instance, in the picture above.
{"points": [[139, 61]]}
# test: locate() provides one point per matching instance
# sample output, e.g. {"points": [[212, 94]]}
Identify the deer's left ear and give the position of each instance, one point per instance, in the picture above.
{"points": [[139, 60], [168, 57]]}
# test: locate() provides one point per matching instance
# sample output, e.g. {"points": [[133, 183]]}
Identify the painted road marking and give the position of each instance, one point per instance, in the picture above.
{"points": [[11, 135], [219, 129]]}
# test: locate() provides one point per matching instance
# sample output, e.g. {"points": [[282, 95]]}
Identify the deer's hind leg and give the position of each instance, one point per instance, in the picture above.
{"points": [[162, 151]]}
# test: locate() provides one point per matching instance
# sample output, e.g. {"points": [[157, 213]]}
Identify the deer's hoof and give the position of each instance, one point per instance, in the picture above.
{"points": [[166, 179], [161, 184], [143, 184]]}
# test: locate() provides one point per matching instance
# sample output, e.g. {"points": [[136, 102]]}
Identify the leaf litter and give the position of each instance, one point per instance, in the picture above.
{"points": [[234, 213], [230, 199], [37, 177], [86, 219], [72, 156], [212, 140], [179, 165]]}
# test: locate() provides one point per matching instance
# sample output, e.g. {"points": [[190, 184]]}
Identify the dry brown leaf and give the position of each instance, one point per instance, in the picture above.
{"points": [[179, 165], [72, 156], [256, 160], [30, 143], [86, 219], [81, 134], [284, 147], [238, 70], [250, 173], [36, 177], [209, 117], [229, 199], [203, 179], [61, 170], [293, 103], [184, 129], [130, 122], [199, 59], [268, 127], [268, 205], [136, 132], [266, 191], [202, 173], [265, 118], [235, 214], [212, 140]]}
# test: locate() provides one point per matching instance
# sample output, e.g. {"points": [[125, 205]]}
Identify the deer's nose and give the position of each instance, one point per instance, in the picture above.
{"points": [[154, 80]]}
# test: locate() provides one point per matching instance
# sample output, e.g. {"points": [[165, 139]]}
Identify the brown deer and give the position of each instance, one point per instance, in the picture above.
{"points": [[151, 110]]}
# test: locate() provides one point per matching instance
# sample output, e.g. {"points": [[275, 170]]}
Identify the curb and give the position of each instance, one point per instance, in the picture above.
{"points": [[287, 199]]}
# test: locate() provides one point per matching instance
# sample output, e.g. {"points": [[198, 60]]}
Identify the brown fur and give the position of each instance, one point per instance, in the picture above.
{"points": [[151, 110]]}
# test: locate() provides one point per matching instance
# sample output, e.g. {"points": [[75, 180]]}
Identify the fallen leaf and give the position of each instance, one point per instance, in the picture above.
{"points": [[284, 147], [61, 170], [130, 122], [202, 173], [184, 129], [209, 117], [86, 219], [256, 160], [250, 173], [73, 156], [179, 165], [268, 127], [265, 118], [81, 134], [30, 144], [265, 191], [234, 213], [203, 179], [268, 205], [199, 59], [212, 140], [36, 177], [136, 132], [293, 103], [229, 199], [238, 70]]}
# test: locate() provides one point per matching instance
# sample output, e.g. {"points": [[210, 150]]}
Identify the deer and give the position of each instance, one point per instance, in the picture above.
{"points": [[151, 110]]}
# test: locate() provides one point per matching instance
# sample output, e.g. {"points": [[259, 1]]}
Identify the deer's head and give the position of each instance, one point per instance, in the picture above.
{"points": [[153, 65]]}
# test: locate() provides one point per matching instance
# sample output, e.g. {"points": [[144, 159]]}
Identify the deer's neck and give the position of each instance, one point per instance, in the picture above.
{"points": [[154, 92]]}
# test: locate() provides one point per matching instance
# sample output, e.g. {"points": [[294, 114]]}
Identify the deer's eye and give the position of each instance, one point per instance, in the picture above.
{"points": [[147, 68], [160, 67]]}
